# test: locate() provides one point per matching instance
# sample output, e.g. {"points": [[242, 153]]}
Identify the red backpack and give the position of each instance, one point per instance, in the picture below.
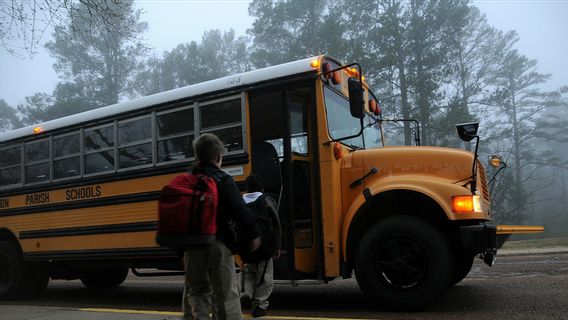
{"points": [[187, 211]]}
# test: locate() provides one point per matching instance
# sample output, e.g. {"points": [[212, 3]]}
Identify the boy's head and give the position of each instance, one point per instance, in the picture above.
{"points": [[254, 183], [208, 148]]}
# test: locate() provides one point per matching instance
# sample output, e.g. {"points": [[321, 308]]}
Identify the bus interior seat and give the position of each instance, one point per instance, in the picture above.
{"points": [[266, 164]]}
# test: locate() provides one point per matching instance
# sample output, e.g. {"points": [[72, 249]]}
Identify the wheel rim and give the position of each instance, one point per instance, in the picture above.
{"points": [[5, 272], [400, 264]]}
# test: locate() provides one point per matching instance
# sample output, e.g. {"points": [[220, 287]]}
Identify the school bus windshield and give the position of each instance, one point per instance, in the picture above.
{"points": [[342, 124]]}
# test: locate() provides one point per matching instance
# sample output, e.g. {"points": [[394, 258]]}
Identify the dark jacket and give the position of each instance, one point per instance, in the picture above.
{"points": [[273, 209], [231, 210]]}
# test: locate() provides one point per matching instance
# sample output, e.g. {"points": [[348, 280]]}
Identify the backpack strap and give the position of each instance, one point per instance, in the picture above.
{"points": [[260, 202]]}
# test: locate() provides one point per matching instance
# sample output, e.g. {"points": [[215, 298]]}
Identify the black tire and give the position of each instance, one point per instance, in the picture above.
{"points": [[463, 264], [404, 263], [36, 279], [11, 271], [20, 279], [103, 278]]}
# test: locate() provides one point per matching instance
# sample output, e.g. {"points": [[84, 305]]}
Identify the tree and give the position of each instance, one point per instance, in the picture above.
{"points": [[35, 109], [8, 118], [518, 103], [23, 23], [475, 51], [90, 56], [290, 30], [219, 54]]}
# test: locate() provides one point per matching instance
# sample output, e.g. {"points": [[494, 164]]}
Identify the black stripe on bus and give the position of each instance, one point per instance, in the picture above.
{"points": [[89, 230], [157, 252], [108, 201]]}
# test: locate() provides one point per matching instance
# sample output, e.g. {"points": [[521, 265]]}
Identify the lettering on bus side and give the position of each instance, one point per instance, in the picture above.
{"points": [[4, 203], [37, 198], [82, 193]]}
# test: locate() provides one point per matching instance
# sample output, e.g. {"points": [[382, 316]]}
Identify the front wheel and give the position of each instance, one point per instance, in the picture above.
{"points": [[404, 263], [463, 264]]}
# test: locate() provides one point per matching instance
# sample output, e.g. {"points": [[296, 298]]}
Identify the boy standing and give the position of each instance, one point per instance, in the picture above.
{"points": [[257, 278], [210, 278]]}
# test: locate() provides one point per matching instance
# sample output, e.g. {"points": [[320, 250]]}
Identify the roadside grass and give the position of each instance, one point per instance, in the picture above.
{"points": [[536, 243]]}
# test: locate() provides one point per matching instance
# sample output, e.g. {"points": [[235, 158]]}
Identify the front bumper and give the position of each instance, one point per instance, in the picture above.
{"points": [[486, 239]]}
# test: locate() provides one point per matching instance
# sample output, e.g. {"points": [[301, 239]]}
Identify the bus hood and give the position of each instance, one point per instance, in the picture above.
{"points": [[452, 164]]}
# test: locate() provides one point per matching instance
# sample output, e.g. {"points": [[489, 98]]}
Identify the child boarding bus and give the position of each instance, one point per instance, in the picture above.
{"points": [[78, 195]]}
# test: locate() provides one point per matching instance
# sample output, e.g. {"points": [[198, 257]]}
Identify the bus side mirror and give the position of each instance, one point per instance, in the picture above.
{"points": [[356, 104], [467, 131]]}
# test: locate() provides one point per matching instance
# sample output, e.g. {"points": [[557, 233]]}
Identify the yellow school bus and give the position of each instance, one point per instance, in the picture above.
{"points": [[78, 195]]}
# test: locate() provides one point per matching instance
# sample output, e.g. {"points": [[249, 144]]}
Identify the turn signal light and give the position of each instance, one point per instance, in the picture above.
{"points": [[374, 107], [334, 76], [315, 64], [495, 160], [337, 150], [466, 204], [37, 130]]}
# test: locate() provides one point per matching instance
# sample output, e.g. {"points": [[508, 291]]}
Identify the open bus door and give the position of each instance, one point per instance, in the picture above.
{"points": [[282, 153]]}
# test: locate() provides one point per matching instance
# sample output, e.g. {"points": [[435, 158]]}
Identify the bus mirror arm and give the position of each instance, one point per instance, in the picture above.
{"points": [[416, 126], [468, 132]]}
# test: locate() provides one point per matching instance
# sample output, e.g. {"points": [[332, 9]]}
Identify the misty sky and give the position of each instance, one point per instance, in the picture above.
{"points": [[542, 26]]}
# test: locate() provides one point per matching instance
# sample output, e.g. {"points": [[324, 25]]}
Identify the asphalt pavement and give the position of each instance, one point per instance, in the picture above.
{"points": [[21, 311]]}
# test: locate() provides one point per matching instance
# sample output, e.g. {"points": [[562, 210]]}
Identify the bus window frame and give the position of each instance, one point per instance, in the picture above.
{"points": [[242, 123], [328, 117], [114, 149], [193, 106], [20, 164], [68, 156], [49, 161], [152, 140]]}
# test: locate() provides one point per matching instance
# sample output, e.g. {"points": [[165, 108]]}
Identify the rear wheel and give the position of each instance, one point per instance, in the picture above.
{"points": [[102, 278], [11, 271], [36, 279], [20, 279], [404, 263]]}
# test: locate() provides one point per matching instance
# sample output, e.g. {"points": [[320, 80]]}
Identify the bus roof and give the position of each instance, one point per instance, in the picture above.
{"points": [[233, 81]]}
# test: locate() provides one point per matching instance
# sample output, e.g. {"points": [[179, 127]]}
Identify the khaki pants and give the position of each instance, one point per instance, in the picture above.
{"points": [[258, 283], [210, 284]]}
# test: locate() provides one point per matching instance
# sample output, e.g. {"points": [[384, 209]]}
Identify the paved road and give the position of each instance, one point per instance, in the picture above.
{"points": [[518, 287]]}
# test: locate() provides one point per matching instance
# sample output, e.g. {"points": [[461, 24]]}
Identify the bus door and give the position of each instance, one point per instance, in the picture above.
{"points": [[282, 153]]}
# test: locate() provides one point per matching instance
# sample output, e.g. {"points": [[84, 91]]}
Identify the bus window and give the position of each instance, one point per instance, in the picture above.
{"points": [[175, 132], [10, 166], [341, 123], [66, 154], [224, 119], [37, 161], [372, 133], [135, 142], [99, 149]]}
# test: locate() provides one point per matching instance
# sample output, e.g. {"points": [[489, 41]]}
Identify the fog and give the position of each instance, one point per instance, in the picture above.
{"points": [[540, 24]]}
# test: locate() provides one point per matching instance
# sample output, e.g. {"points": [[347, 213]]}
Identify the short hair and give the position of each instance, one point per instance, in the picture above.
{"points": [[207, 147], [254, 183]]}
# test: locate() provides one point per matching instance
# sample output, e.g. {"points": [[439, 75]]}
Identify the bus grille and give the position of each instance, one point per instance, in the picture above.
{"points": [[483, 181]]}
